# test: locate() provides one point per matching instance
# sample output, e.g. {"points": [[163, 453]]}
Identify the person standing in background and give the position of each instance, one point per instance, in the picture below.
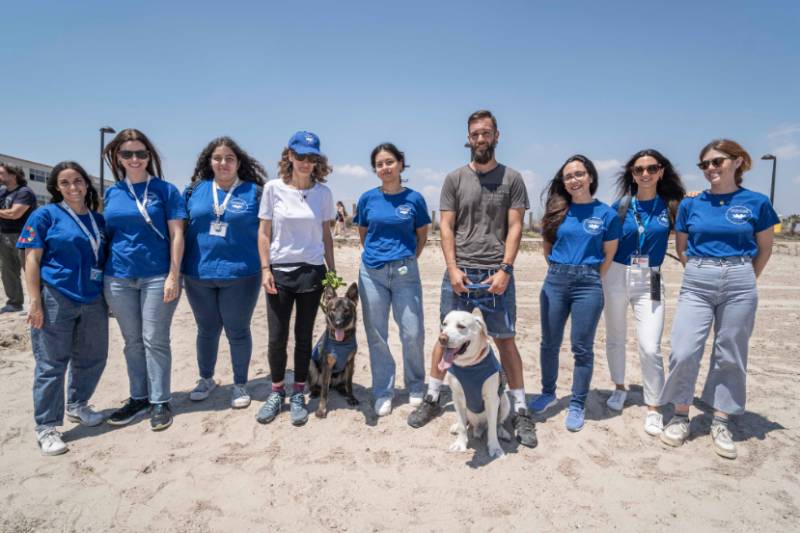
{"points": [[17, 202]]}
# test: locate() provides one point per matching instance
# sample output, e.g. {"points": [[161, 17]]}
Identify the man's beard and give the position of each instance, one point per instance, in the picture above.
{"points": [[483, 156]]}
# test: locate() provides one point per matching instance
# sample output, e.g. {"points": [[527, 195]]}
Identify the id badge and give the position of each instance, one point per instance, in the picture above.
{"points": [[218, 229], [640, 261], [96, 275]]}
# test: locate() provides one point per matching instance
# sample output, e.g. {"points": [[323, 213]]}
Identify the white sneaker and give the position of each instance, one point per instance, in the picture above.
{"points": [[415, 399], [383, 406], [617, 399], [676, 432], [50, 442], [723, 441], [653, 423], [239, 398], [203, 389], [84, 414]]}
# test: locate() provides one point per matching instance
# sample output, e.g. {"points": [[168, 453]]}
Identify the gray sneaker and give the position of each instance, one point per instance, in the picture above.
{"points": [[676, 432], [85, 415], [297, 408], [271, 407], [723, 441]]}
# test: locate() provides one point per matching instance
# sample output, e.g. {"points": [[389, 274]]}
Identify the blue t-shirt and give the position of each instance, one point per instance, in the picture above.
{"points": [[67, 257], [391, 221], [236, 254], [654, 216], [472, 379], [580, 237], [725, 225], [136, 251]]}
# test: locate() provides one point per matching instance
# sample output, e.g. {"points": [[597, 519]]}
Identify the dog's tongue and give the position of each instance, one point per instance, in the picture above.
{"points": [[339, 334], [447, 358]]}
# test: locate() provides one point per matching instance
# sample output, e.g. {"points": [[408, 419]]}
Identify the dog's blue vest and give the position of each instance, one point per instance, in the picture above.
{"points": [[473, 377], [341, 350]]}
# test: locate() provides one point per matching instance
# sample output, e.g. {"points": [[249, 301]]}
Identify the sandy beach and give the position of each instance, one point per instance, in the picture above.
{"points": [[217, 469]]}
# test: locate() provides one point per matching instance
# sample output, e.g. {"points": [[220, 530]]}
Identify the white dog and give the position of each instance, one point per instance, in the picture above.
{"points": [[473, 374]]}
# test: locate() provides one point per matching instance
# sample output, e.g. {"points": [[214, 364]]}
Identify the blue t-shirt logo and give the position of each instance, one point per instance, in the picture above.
{"points": [[738, 214], [404, 211], [663, 218], [593, 226], [152, 198], [237, 205]]}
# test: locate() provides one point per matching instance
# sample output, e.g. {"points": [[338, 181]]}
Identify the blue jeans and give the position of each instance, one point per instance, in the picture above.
{"points": [[380, 289], [144, 320], [228, 303], [73, 339], [499, 310], [570, 290]]}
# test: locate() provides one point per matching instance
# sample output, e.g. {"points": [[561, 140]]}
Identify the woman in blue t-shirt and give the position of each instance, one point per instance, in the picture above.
{"points": [[393, 225], [649, 193], [144, 219], [68, 316], [724, 239], [221, 267], [579, 241]]}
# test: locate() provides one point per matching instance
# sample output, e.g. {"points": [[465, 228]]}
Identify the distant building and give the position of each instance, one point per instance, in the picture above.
{"points": [[36, 174]]}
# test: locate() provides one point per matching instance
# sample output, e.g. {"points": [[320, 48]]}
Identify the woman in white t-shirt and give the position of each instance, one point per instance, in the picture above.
{"points": [[294, 239]]}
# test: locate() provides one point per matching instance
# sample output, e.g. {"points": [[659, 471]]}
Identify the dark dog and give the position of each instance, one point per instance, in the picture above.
{"points": [[334, 355]]}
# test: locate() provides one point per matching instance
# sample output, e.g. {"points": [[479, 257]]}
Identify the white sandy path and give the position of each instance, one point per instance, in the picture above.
{"points": [[218, 470]]}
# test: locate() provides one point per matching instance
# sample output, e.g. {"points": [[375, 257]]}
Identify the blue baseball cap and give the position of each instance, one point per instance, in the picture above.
{"points": [[304, 142]]}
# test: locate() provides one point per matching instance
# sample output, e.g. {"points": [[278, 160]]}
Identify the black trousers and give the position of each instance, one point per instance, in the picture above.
{"points": [[279, 311]]}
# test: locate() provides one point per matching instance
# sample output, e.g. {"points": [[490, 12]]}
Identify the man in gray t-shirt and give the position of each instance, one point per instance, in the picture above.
{"points": [[482, 209]]}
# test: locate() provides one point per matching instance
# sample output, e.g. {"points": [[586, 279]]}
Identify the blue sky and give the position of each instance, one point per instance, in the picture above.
{"points": [[600, 78]]}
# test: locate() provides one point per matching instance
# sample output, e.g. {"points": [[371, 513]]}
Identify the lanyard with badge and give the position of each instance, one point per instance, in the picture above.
{"points": [[218, 227], [94, 240], [142, 205], [640, 263]]}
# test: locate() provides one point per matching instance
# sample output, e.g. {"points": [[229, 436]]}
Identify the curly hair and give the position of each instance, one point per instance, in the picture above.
{"points": [[670, 187], [131, 134], [321, 168], [734, 150], [249, 168], [92, 199], [16, 171], [558, 199]]}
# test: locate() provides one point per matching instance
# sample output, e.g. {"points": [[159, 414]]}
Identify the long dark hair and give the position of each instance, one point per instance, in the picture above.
{"points": [[92, 199], [249, 168], [131, 134], [670, 187], [558, 200]]}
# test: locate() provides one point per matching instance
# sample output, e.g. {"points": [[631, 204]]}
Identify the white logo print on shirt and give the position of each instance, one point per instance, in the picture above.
{"points": [[738, 214], [593, 226]]}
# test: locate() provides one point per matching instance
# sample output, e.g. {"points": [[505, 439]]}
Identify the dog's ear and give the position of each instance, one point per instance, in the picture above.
{"points": [[328, 294], [481, 324], [352, 292]]}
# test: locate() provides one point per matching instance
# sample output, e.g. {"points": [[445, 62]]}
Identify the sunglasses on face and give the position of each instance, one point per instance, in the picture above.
{"points": [[576, 176], [311, 158], [128, 154], [650, 169], [716, 163]]}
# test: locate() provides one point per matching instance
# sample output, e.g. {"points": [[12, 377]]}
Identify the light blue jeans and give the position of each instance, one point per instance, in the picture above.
{"points": [[396, 285], [73, 340], [145, 320]]}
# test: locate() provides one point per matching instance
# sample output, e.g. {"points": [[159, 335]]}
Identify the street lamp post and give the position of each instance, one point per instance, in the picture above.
{"points": [[103, 131], [770, 157]]}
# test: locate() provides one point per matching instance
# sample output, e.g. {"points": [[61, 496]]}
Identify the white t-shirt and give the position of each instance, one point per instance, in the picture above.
{"points": [[297, 217]]}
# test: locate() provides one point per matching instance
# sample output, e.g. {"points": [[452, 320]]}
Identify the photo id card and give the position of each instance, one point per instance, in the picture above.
{"points": [[96, 275], [640, 261], [218, 229]]}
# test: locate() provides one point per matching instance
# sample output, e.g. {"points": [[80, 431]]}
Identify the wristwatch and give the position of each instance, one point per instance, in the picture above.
{"points": [[508, 269]]}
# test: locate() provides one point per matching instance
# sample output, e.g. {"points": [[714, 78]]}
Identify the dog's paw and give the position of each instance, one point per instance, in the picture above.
{"points": [[503, 434], [496, 453], [352, 400], [320, 413], [459, 446]]}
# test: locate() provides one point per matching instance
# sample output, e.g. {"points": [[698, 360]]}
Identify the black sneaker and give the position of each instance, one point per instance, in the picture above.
{"points": [[128, 412], [525, 428], [160, 416], [425, 412]]}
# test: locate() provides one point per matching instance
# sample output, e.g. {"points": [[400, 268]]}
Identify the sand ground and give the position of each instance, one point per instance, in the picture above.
{"points": [[217, 469]]}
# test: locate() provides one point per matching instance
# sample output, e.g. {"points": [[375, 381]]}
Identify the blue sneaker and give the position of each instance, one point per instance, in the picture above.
{"points": [[271, 407], [297, 409], [542, 403], [574, 421]]}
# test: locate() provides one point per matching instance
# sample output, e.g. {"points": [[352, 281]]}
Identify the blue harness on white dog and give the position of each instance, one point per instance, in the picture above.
{"points": [[473, 377], [341, 350]]}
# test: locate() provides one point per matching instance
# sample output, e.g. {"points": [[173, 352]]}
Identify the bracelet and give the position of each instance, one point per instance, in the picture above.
{"points": [[265, 267]]}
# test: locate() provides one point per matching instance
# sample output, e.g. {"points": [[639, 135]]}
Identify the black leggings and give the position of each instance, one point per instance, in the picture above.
{"points": [[279, 310]]}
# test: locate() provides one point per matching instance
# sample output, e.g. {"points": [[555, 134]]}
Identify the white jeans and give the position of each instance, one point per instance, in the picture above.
{"points": [[622, 288]]}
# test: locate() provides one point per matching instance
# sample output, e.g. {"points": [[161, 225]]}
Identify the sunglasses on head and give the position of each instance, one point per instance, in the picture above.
{"points": [[650, 169], [128, 154], [307, 157], [716, 163]]}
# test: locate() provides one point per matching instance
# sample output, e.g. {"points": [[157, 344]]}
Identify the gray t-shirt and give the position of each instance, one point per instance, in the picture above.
{"points": [[481, 203]]}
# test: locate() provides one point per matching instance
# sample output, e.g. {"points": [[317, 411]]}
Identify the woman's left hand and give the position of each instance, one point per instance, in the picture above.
{"points": [[171, 288]]}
